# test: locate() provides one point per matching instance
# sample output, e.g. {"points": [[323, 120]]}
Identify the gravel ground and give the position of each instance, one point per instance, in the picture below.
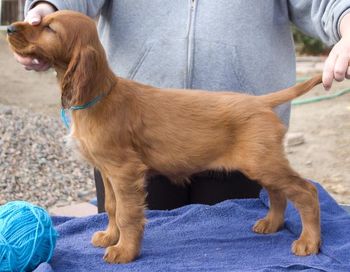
{"points": [[36, 165]]}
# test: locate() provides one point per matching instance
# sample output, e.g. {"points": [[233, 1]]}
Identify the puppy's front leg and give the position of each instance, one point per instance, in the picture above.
{"points": [[130, 196], [110, 236]]}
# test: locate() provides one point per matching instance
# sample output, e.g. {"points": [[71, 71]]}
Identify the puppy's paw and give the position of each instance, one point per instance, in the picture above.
{"points": [[302, 247], [104, 239], [265, 226], [118, 254]]}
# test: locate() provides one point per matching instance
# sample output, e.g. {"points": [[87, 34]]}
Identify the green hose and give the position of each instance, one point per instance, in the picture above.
{"points": [[318, 98]]}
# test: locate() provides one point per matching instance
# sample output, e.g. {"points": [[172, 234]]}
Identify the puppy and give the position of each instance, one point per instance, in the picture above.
{"points": [[128, 130]]}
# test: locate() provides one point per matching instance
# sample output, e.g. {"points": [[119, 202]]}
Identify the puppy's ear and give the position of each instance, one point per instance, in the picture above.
{"points": [[78, 82]]}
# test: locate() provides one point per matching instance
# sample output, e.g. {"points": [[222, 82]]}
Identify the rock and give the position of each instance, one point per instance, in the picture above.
{"points": [[295, 139], [309, 163], [8, 112]]}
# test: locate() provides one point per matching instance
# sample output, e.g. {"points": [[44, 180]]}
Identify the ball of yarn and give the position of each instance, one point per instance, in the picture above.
{"points": [[27, 237]]}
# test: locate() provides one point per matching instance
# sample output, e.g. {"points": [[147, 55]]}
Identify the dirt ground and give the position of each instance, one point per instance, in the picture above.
{"points": [[325, 126]]}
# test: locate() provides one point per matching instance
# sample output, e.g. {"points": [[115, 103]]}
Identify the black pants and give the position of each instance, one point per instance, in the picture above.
{"points": [[205, 188]]}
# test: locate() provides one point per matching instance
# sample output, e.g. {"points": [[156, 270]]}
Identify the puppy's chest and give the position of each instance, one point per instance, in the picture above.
{"points": [[82, 148]]}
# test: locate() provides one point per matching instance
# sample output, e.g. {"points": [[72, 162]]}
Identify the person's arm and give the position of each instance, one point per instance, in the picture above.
{"points": [[91, 8], [322, 19]]}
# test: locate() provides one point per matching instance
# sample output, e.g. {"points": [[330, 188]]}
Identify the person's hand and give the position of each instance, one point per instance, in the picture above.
{"points": [[34, 17], [337, 64]]}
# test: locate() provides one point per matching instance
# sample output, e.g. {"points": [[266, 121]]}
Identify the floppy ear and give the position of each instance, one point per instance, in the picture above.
{"points": [[78, 82]]}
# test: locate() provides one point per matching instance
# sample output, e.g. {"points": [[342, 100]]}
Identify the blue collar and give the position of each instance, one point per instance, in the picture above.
{"points": [[89, 104]]}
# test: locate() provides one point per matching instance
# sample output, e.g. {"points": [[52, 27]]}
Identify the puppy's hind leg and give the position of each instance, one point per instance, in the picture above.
{"points": [[261, 157], [110, 236], [274, 219], [304, 196], [277, 175]]}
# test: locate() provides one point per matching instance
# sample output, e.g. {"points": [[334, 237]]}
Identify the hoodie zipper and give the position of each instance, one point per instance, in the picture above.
{"points": [[190, 43]]}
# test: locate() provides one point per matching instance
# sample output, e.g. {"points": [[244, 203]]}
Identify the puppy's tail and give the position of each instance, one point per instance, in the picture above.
{"points": [[285, 95]]}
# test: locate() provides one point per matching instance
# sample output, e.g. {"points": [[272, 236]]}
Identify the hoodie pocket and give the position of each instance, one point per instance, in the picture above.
{"points": [[161, 63], [216, 66]]}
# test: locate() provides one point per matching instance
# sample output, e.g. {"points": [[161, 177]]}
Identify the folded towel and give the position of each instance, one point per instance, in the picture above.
{"points": [[209, 238]]}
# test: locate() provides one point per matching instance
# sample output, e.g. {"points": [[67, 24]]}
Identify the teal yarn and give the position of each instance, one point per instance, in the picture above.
{"points": [[27, 236]]}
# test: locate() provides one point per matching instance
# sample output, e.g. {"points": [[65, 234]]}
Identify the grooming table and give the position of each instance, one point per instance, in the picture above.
{"points": [[209, 238]]}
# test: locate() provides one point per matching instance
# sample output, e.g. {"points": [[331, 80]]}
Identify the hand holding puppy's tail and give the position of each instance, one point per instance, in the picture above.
{"points": [[285, 95]]}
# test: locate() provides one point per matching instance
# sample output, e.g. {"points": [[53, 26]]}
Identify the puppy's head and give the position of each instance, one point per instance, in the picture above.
{"points": [[69, 42], [58, 38]]}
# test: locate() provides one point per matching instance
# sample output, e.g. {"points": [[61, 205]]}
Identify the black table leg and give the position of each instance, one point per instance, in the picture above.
{"points": [[100, 191]]}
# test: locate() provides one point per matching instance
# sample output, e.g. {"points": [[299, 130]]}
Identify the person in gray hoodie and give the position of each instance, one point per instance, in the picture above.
{"points": [[240, 45]]}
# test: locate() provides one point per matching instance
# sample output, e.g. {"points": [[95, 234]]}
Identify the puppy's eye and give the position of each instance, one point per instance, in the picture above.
{"points": [[48, 28]]}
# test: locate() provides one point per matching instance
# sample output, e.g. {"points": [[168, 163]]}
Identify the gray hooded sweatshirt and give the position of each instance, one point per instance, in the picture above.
{"points": [[241, 45]]}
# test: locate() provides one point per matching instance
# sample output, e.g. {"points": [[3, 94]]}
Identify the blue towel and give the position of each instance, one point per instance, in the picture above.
{"points": [[209, 238]]}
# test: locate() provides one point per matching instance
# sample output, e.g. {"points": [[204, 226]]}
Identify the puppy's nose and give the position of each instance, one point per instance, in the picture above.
{"points": [[11, 29]]}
